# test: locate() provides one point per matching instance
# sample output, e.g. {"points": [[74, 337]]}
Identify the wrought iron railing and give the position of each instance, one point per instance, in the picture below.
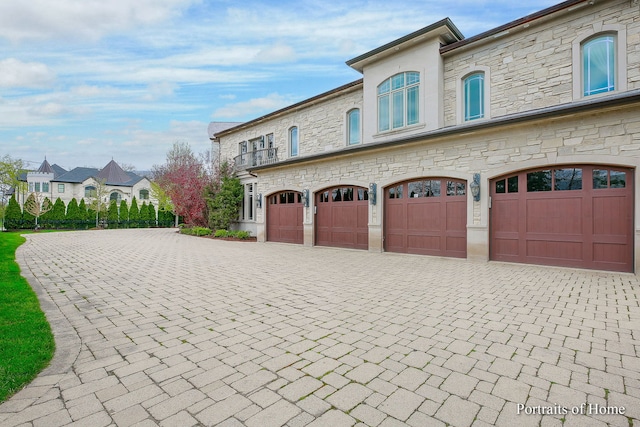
{"points": [[250, 159]]}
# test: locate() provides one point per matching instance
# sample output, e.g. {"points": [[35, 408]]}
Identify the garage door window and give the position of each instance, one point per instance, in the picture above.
{"points": [[395, 192], [603, 178], [507, 185], [363, 194], [567, 179], [428, 188], [556, 180], [456, 188]]}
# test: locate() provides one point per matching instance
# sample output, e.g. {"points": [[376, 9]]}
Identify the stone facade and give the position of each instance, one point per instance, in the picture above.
{"points": [[535, 116]]}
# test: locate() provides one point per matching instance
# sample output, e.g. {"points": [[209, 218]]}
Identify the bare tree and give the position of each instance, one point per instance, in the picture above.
{"points": [[99, 198], [37, 204]]}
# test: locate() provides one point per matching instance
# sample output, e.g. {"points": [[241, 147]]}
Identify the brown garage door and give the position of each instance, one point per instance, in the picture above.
{"points": [[573, 216], [427, 216], [342, 217], [284, 217]]}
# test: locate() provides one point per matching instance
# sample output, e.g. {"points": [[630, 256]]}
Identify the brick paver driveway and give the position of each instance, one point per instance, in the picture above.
{"points": [[156, 328]]}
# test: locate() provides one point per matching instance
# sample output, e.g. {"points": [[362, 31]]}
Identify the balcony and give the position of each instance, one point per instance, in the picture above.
{"points": [[250, 159]]}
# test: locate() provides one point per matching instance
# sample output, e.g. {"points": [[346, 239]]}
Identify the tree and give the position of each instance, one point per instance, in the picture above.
{"points": [[57, 215], [165, 206], [83, 214], [225, 202], [72, 219], [98, 200], [10, 170], [112, 214], [152, 215], [144, 215], [184, 178], [37, 205], [123, 214], [13, 215], [134, 214]]}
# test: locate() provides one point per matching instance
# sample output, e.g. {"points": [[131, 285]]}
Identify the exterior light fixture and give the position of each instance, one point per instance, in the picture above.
{"points": [[475, 187], [305, 197], [373, 190]]}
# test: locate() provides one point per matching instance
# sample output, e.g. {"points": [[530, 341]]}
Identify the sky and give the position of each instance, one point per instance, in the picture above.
{"points": [[85, 82]]}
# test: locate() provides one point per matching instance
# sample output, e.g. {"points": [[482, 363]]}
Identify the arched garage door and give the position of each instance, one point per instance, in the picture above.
{"points": [[342, 217], [284, 217], [573, 216], [426, 216]]}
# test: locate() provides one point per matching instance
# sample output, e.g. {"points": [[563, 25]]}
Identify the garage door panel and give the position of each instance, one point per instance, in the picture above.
{"points": [[433, 221], [587, 225], [554, 216]]}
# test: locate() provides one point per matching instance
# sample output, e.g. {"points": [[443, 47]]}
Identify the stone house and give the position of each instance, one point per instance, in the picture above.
{"points": [[55, 182], [519, 144]]}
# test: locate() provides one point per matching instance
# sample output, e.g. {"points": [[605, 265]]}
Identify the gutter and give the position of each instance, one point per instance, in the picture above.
{"points": [[558, 111]]}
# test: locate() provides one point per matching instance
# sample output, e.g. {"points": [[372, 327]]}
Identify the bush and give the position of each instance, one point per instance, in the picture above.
{"points": [[13, 215], [222, 233], [195, 231]]}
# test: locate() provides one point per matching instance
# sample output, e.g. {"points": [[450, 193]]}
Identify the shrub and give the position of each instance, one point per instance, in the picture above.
{"points": [[134, 214], [13, 215], [221, 233], [244, 235], [123, 214]]}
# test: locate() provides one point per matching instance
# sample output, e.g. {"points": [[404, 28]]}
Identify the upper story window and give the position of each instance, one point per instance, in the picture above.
{"points": [[37, 187], [294, 144], [60, 188], [398, 100], [45, 187], [599, 65], [353, 127], [474, 96], [144, 194], [90, 191]]}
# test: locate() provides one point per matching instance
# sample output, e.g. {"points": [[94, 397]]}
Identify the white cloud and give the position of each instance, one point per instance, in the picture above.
{"points": [[252, 107], [91, 91], [276, 53], [72, 19], [159, 90], [15, 73]]}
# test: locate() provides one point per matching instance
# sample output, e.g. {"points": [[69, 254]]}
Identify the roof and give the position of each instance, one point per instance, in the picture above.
{"points": [[112, 173], [504, 29], [301, 104], [443, 28], [215, 127], [45, 167]]}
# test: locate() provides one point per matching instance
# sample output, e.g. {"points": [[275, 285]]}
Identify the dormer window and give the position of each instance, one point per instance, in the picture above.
{"points": [[398, 100]]}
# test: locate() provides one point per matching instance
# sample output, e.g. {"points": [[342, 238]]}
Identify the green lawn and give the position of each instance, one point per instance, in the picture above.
{"points": [[26, 341]]}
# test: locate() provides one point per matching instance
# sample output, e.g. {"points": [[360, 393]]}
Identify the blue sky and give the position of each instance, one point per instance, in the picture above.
{"points": [[82, 82]]}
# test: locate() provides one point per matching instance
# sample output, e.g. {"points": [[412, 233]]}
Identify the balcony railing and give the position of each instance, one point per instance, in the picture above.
{"points": [[250, 159]]}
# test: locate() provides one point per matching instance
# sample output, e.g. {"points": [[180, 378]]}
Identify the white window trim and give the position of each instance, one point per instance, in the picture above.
{"points": [[290, 141], [620, 33], [473, 69]]}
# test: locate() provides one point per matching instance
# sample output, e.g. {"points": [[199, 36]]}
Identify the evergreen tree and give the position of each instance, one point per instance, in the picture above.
{"points": [[112, 214], [152, 215], [57, 214], [84, 220], [134, 213], [144, 215], [45, 219], [13, 215], [73, 214], [124, 214]]}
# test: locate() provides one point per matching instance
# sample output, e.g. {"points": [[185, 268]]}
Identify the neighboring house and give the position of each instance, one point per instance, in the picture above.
{"points": [[80, 183], [520, 144]]}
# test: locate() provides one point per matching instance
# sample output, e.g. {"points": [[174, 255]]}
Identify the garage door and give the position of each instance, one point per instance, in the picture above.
{"points": [[284, 217], [574, 216], [342, 217], [427, 216]]}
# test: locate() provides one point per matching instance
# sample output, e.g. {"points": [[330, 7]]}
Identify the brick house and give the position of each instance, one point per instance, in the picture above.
{"points": [[519, 144]]}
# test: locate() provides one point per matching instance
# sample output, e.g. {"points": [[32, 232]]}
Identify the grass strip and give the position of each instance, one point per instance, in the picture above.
{"points": [[26, 341]]}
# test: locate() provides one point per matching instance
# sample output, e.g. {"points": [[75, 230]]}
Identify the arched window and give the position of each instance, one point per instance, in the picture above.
{"points": [[599, 65], [144, 194], [398, 101], [90, 191], [294, 145], [353, 127], [473, 96], [115, 196]]}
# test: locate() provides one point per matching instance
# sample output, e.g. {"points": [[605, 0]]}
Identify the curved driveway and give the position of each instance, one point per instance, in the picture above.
{"points": [[157, 328]]}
